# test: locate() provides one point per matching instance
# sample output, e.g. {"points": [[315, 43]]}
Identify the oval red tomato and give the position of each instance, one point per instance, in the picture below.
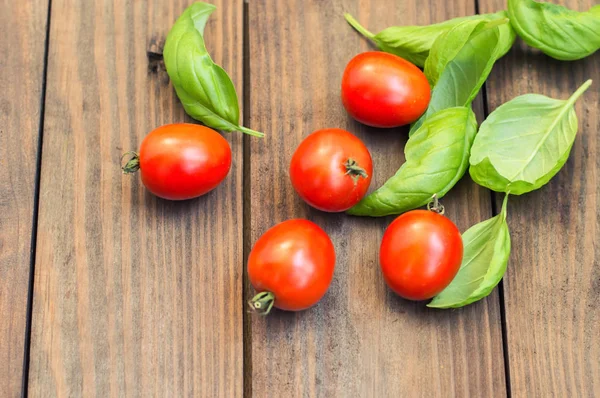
{"points": [[420, 254], [383, 90], [331, 170], [291, 265], [182, 161]]}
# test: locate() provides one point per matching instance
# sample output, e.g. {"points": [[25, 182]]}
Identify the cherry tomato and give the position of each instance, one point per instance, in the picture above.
{"points": [[383, 90], [291, 266], [182, 161], [420, 254], [331, 170]]}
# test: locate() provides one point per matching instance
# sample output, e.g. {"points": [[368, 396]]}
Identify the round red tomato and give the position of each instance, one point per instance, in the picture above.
{"points": [[331, 170], [291, 266], [420, 254], [182, 161], [383, 90]]}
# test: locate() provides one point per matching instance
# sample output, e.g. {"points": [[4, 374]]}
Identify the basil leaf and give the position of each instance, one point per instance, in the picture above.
{"points": [[459, 79], [436, 158], [447, 46], [204, 88], [413, 43], [486, 253], [524, 142], [559, 32]]}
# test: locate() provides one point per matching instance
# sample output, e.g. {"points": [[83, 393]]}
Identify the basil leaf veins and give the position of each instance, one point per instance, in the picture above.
{"points": [[524, 142]]}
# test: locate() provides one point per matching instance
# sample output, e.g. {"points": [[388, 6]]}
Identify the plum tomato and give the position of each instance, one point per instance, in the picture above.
{"points": [[383, 90], [291, 266], [331, 170], [420, 254], [181, 161]]}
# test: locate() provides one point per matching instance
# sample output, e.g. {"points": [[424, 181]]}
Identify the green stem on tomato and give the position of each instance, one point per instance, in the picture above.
{"points": [[354, 170], [361, 29], [435, 205], [262, 303], [132, 164]]}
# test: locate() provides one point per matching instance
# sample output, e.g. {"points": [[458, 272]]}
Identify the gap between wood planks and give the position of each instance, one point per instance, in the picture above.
{"points": [[246, 208], [494, 205], [36, 202]]}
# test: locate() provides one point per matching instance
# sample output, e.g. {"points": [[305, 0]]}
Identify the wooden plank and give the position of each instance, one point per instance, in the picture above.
{"points": [[552, 284], [23, 32], [134, 295], [361, 340]]}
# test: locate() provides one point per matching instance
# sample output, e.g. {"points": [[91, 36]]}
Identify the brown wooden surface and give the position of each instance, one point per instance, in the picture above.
{"points": [[22, 28], [361, 340], [552, 286], [134, 296]]}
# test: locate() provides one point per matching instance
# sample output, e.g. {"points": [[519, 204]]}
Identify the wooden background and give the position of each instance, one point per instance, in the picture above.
{"points": [[106, 290]]}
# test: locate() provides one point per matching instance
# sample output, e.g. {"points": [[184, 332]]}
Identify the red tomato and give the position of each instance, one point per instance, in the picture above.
{"points": [[383, 90], [331, 170], [182, 161], [291, 265], [420, 254]]}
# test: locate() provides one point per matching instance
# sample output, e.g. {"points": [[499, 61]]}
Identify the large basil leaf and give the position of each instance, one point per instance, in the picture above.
{"points": [[464, 65], [204, 88], [486, 253], [436, 158], [556, 30], [414, 42], [524, 142]]}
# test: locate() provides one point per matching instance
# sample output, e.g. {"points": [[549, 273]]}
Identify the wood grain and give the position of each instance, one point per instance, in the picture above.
{"points": [[361, 340], [23, 32], [552, 286], [134, 295]]}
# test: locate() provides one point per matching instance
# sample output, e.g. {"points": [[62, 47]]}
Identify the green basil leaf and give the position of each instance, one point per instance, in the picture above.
{"points": [[204, 88], [559, 32], [436, 158], [485, 257], [459, 79], [524, 142], [448, 45], [413, 43]]}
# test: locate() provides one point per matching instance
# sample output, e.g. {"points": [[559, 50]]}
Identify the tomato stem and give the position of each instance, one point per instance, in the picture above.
{"points": [[132, 164], [435, 205], [354, 170], [262, 303]]}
